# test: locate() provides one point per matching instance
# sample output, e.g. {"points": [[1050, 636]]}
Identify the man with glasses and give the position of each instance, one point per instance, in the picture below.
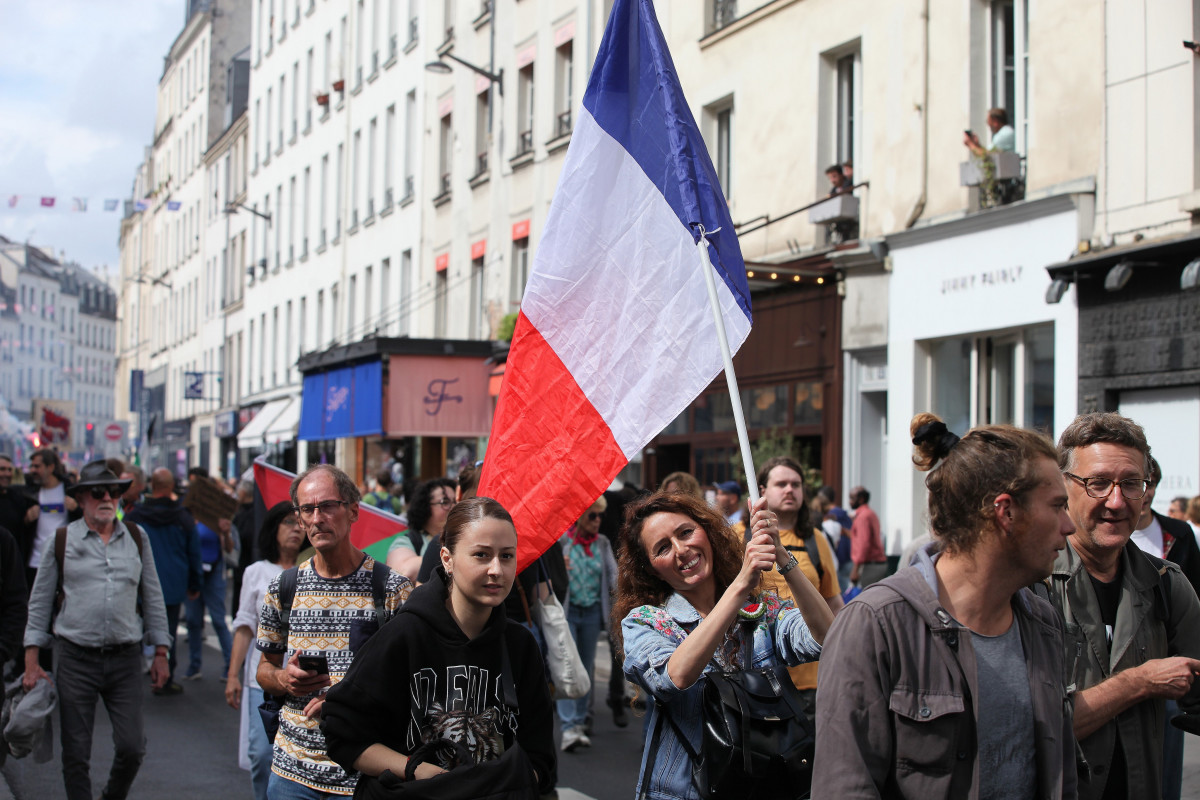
{"points": [[1132, 620], [99, 573], [315, 617]]}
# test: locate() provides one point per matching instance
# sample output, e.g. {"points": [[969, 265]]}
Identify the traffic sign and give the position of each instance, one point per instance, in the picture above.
{"points": [[114, 432]]}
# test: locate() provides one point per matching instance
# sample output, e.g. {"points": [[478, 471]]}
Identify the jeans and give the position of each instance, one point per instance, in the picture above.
{"points": [[585, 624], [117, 679], [212, 597], [281, 788], [259, 747], [1172, 777]]}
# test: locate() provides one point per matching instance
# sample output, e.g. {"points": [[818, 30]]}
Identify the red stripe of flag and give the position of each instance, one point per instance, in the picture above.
{"points": [[372, 532], [533, 454]]}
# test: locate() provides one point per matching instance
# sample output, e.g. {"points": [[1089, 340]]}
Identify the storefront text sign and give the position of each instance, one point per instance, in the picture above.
{"points": [[437, 396], [982, 280]]}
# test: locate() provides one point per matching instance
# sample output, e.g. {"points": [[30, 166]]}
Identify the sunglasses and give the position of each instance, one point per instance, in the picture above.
{"points": [[594, 515], [444, 502], [99, 492]]}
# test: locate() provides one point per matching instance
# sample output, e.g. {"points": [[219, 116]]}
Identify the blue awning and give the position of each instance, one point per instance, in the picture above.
{"points": [[343, 403]]}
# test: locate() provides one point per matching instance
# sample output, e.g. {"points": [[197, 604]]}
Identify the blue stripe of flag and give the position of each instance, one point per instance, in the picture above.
{"points": [[634, 94]]}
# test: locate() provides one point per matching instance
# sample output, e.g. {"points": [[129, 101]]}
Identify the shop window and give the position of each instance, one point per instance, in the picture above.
{"points": [[999, 378], [810, 403], [677, 426], [765, 407], [714, 413]]}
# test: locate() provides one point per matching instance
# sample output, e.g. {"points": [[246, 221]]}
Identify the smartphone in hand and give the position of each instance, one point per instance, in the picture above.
{"points": [[317, 663]]}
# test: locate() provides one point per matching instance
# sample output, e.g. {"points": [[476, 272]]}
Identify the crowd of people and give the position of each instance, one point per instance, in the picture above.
{"points": [[1042, 638]]}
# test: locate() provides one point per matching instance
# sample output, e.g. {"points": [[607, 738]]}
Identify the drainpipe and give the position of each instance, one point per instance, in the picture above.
{"points": [[919, 208]]}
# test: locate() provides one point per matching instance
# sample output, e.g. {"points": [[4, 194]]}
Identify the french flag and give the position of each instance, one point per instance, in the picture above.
{"points": [[616, 335]]}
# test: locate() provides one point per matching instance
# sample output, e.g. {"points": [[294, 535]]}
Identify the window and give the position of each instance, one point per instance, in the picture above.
{"points": [[389, 136], [295, 100], [291, 220], [367, 295], [445, 153], [304, 212], [441, 285], [359, 24], [354, 179], [999, 378], [475, 315], [403, 299], [371, 130], [1009, 64], [525, 110], [385, 277], [410, 122], [393, 36], [324, 203], [320, 319], [325, 65], [719, 129], [847, 69], [275, 346], [375, 26], [563, 79], [520, 268], [337, 197], [720, 14], [482, 120], [279, 226], [351, 309], [302, 325], [335, 313], [282, 108], [412, 20], [448, 17], [287, 343], [308, 90]]}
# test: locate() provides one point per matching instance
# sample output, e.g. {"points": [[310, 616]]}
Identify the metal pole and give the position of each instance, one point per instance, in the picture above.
{"points": [[735, 398]]}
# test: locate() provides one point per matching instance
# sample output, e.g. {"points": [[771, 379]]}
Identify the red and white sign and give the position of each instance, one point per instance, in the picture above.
{"points": [[114, 432]]}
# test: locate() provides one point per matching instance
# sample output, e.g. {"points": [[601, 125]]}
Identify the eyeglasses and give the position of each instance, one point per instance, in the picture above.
{"points": [[446, 501], [99, 492], [1100, 488], [594, 515], [327, 508]]}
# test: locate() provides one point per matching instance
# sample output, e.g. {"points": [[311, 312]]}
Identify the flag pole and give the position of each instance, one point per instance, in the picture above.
{"points": [[735, 397]]}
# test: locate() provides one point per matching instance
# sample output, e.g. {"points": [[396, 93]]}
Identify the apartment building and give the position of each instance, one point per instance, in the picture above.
{"points": [[169, 286], [942, 289]]}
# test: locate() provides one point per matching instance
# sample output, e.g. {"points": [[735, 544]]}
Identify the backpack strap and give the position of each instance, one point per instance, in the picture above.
{"points": [[60, 555], [418, 543], [813, 551], [287, 594], [379, 579], [136, 533]]}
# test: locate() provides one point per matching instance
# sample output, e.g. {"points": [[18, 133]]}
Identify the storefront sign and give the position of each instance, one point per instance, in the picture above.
{"points": [[225, 424], [342, 403], [438, 396], [982, 280]]}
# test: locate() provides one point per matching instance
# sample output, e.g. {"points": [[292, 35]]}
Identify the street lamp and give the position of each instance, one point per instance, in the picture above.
{"points": [[232, 208], [442, 68]]}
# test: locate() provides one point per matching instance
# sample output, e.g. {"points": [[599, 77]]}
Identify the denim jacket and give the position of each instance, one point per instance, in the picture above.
{"points": [[652, 633]]}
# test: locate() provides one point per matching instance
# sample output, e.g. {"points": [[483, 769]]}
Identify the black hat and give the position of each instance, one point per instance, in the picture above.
{"points": [[97, 473]]}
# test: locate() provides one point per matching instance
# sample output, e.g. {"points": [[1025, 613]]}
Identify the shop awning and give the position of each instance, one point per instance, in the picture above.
{"points": [[284, 428], [342, 403], [252, 435]]}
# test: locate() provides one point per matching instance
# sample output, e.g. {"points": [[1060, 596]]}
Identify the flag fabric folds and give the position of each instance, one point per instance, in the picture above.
{"points": [[615, 336], [372, 532]]}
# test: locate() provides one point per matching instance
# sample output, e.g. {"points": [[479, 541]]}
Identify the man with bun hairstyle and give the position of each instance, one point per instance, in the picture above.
{"points": [[945, 679], [1133, 620]]}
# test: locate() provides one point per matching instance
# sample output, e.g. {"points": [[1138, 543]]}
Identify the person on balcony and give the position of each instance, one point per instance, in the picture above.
{"points": [[1003, 135]]}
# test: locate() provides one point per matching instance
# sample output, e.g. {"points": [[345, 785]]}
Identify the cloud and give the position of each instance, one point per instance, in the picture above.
{"points": [[78, 85]]}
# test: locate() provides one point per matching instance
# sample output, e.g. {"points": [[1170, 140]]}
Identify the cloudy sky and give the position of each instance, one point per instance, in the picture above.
{"points": [[78, 80]]}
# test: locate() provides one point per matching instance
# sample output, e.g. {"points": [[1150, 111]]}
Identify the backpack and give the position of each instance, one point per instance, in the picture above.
{"points": [[814, 552]]}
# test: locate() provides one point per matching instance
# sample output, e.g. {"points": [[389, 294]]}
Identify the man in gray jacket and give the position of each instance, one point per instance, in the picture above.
{"points": [[945, 679], [1132, 620]]}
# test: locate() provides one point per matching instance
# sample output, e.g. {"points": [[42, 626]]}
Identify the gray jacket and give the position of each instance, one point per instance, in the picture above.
{"points": [[1139, 635], [895, 714]]}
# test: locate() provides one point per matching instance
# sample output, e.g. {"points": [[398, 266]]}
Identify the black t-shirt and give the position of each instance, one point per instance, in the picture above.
{"points": [[1108, 595]]}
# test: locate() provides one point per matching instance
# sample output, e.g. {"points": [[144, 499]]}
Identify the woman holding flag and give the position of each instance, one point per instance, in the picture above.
{"points": [[688, 603]]}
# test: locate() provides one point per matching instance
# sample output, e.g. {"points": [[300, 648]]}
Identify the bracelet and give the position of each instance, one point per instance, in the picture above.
{"points": [[788, 567], [160, 655]]}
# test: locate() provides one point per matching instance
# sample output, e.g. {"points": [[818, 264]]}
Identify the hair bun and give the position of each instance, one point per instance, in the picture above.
{"points": [[936, 435]]}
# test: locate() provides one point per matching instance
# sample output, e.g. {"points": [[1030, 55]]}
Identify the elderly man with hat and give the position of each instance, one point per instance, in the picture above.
{"points": [[85, 604], [729, 500]]}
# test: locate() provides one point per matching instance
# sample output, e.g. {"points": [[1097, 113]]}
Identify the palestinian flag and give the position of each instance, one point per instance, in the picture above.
{"points": [[373, 532]]}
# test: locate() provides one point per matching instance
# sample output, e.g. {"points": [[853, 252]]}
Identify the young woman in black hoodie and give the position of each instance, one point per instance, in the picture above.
{"points": [[436, 670]]}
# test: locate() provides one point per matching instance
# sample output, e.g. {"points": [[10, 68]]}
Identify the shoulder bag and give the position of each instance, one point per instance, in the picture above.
{"points": [[755, 740], [570, 679]]}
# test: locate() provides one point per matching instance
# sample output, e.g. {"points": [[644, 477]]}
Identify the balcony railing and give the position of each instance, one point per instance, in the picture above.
{"points": [[408, 188], [524, 142], [563, 124], [393, 46], [412, 30], [387, 198], [723, 13], [444, 183], [481, 163]]}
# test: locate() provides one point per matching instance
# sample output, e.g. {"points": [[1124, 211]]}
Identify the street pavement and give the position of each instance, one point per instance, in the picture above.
{"points": [[192, 750]]}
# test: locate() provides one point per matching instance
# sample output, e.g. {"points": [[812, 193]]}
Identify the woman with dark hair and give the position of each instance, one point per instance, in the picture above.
{"points": [[450, 672], [280, 538], [683, 581], [427, 514]]}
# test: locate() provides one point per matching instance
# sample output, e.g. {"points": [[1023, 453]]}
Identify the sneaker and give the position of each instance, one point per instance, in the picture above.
{"points": [[193, 676], [588, 725], [169, 689], [574, 738]]}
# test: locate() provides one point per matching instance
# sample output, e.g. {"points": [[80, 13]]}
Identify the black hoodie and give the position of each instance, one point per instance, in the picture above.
{"points": [[420, 673]]}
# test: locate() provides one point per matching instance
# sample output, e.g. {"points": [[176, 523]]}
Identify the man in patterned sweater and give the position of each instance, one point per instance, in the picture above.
{"points": [[334, 610]]}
